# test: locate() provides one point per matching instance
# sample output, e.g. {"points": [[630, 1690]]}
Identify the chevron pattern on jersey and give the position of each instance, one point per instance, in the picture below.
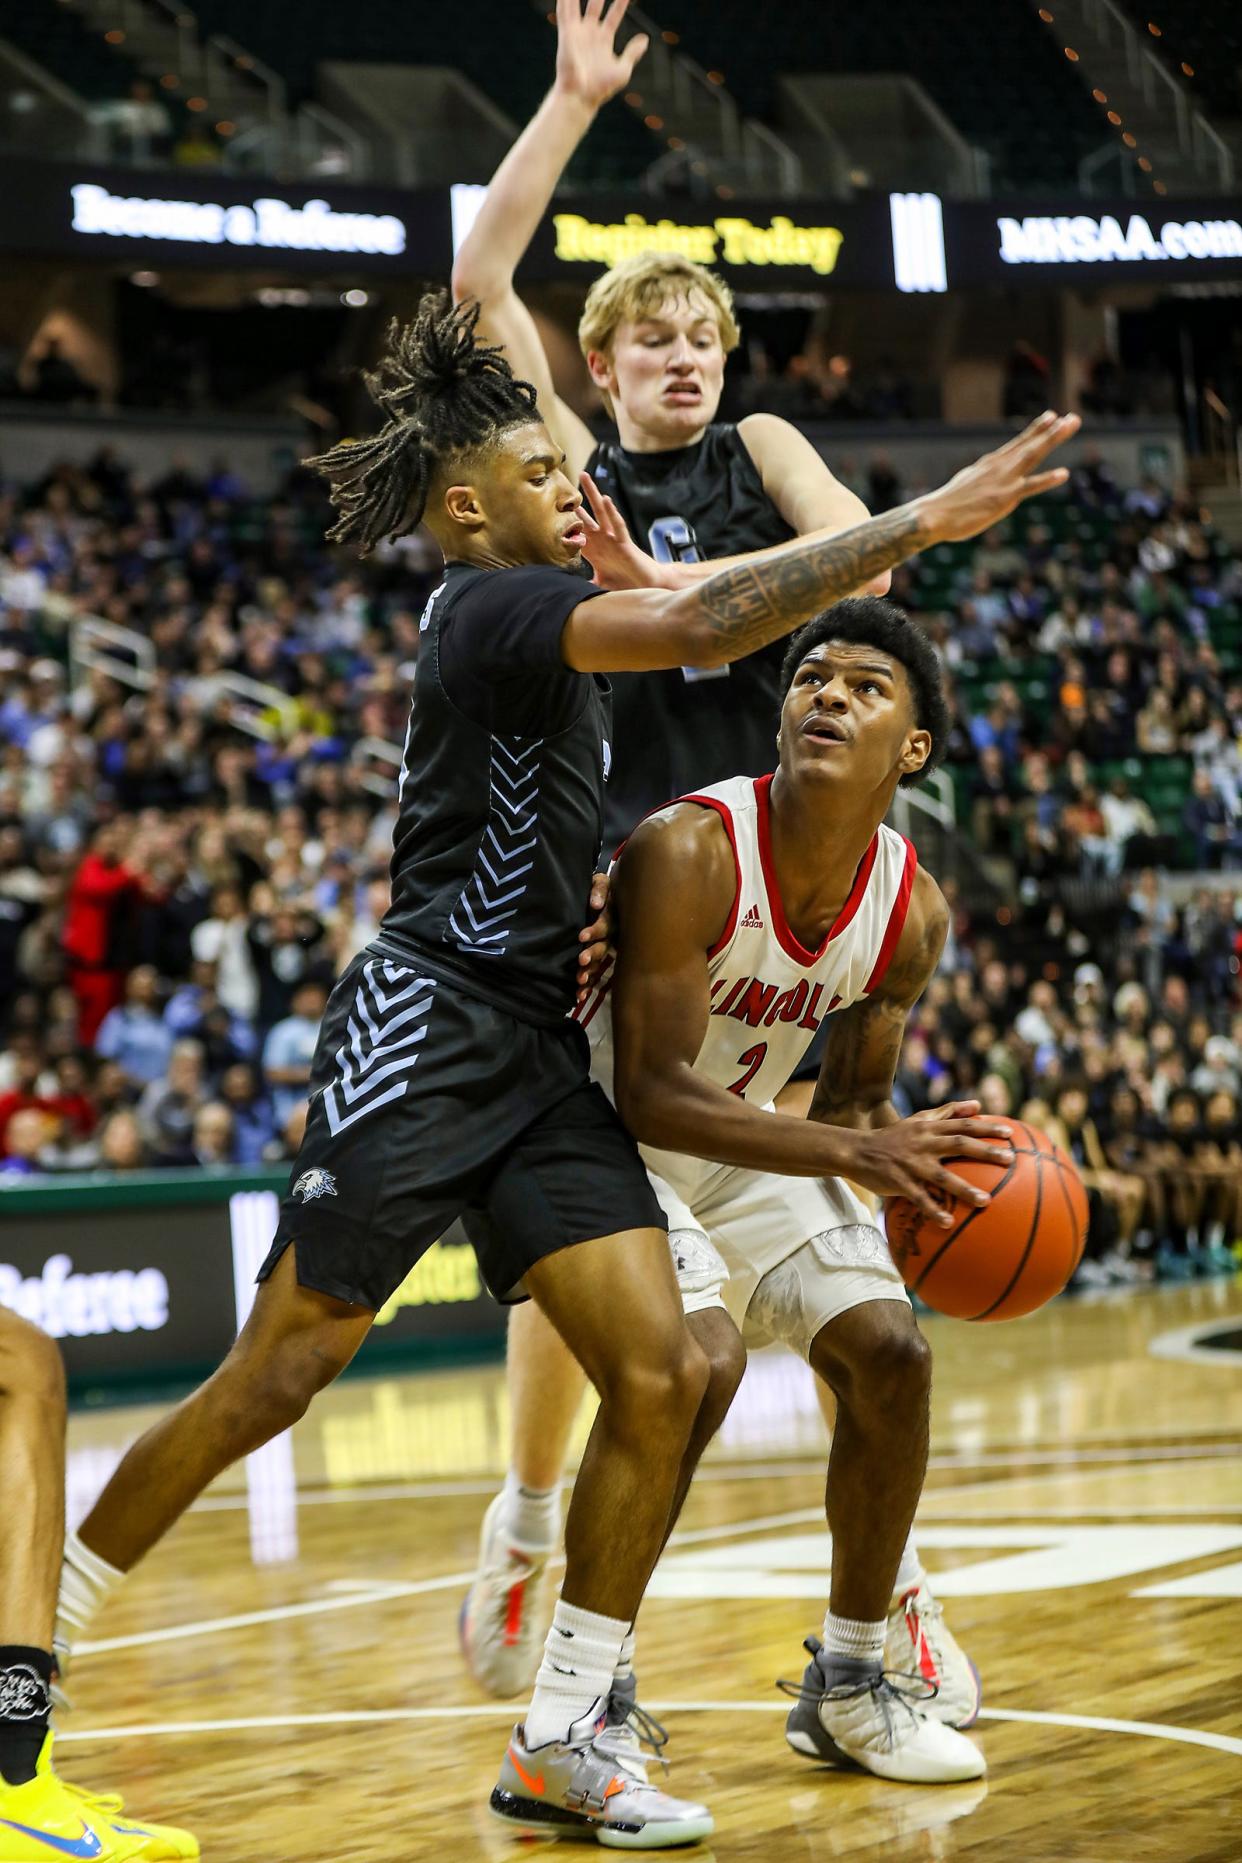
{"points": [[388, 1021], [480, 919]]}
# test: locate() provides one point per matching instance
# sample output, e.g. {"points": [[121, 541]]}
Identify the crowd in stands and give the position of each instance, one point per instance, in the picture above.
{"points": [[177, 892]]}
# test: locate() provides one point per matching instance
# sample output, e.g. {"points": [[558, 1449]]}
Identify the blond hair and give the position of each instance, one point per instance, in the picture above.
{"points": [[641, 286]]}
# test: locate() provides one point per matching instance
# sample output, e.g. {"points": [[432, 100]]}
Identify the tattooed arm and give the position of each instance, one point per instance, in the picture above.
{"points": [[864, 1041], [739, 609]]}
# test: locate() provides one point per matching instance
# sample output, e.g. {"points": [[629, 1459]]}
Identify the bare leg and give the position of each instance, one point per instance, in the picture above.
{"points": [[879, 1365], [615, 1302], [726, 1360], [546, 1383], [827, 1405], [294, 1343], [32, 1481]]}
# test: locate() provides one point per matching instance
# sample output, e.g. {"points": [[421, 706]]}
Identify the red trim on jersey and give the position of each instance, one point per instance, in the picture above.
{"points": [[896, 920], [584, 1013], [726, 815], [789, 943]]}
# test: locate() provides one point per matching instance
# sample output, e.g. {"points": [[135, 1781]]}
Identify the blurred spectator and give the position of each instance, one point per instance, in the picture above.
{"points": [[254, 1122], [222, 941], [121, 1146], [28, 1132], [54, 378], [134, 1035], [169, 1106], [1027, 383], [213, 1135], [1210, 825], [196, 147], [290, 1047], [108, 881], [139, 125]]}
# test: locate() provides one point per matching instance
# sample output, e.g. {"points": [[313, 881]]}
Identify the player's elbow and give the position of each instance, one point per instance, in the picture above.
{"points": [[643, 1104], [470, 277], [879, 585]]}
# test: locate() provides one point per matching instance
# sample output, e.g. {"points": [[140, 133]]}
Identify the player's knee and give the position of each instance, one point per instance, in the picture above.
{"points": [[726, 1364], [899, 1372], [659, 1390], [31, 1367], [874, 1355], [274, 1391]]}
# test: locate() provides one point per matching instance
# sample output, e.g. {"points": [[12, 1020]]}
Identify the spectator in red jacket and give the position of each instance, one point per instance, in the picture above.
{"points": [[109, 880]]}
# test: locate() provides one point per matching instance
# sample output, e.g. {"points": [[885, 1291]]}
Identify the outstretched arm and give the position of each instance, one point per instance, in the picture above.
{"points": [[813, 503], [589, 70], [674, 887], [735, 611]]}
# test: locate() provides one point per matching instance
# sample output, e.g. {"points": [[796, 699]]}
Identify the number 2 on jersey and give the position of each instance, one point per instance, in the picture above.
{"points": [[752, 1060]]}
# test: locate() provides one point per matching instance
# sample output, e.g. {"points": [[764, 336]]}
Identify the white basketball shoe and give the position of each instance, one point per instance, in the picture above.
{"points": [[879, 1723], [919, 1642], [507, 1610]]}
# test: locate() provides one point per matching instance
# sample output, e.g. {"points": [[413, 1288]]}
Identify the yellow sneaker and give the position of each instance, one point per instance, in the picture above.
{"points": [[47, 1818]]}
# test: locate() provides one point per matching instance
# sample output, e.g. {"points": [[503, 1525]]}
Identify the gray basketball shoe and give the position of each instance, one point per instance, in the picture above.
{"points": [[879, 1723], [586, 1786]]}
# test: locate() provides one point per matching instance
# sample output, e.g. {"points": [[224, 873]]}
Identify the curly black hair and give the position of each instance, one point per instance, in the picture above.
{"points": [[445, 394], [869, 620]]}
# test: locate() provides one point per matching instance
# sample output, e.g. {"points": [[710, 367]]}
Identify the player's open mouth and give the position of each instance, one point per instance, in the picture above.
{"points": [[683, 393], [575, 537], [824, 731]]}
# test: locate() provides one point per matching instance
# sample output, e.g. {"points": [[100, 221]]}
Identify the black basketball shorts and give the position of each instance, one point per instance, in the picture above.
{"points": [[428, 1104]]}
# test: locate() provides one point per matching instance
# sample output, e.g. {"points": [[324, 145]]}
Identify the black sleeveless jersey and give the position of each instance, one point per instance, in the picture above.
{"points": [[681, 730], [499, 831]]}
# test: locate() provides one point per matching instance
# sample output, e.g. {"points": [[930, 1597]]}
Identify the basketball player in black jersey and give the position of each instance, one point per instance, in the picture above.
{"points": [[677, 493], [448, 1080], [655, 333]]}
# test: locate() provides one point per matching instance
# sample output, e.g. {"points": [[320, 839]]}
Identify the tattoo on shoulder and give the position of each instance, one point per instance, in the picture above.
{"points": [[754, 602]]}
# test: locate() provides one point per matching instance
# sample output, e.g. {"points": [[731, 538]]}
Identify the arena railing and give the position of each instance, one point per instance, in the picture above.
{"points": [[95, 645]]}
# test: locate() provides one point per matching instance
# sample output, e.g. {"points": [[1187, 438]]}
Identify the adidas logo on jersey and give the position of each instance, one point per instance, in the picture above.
{"points": [[751, 920]]}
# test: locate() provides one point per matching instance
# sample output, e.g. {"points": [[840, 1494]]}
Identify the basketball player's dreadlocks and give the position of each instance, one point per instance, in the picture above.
{"points": [[445, 395]]}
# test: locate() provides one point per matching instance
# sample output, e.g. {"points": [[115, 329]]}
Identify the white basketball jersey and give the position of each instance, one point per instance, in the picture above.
{"points": [[768, 993]]}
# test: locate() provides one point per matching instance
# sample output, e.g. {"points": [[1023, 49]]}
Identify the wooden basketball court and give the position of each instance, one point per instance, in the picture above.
{"points": [[282, 1674]]}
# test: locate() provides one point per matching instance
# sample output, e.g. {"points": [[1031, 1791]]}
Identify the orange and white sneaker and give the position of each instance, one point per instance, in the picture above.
{"points": [[585, 1787], [919, 1642], [47, 1818], [506, 1612]]}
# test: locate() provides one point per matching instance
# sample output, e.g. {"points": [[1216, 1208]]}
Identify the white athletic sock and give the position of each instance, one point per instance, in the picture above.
{"points": [[625, 1661], [910, 1572], [85, 1581], [579, 1661], [532, 1515], [848, 1639]]}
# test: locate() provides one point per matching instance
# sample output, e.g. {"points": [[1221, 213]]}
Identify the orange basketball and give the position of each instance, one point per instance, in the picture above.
{"points": [[1011, 1256]]}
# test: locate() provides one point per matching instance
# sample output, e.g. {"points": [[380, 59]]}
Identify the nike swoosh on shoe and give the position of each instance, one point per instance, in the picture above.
{"points": [[88, 1845]]}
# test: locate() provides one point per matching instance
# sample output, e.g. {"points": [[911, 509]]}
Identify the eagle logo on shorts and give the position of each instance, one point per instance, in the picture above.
{"points": [[314, 1184]]}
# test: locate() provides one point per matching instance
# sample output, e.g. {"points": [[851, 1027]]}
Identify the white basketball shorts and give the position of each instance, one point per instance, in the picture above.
{"points": [[781, 1255]]}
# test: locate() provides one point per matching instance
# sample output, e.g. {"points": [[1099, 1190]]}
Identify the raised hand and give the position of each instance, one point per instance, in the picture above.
{"points": [[985, 492], [907, 1159], [588, 64], [616, 560]]}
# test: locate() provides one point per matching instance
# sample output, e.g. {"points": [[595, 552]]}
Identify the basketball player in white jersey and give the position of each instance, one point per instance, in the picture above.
{"points": [[748, 913], [656, 335]]}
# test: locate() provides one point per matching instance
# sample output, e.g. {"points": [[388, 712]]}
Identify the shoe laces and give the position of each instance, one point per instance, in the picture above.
{"points": [[645, 1729]]}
